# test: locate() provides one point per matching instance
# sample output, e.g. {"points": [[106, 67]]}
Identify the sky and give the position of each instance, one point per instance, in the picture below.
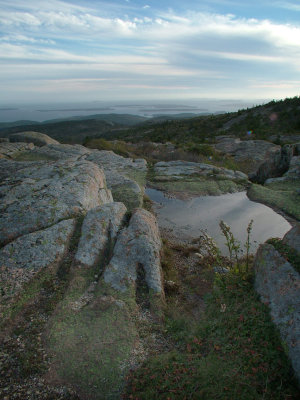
{"points": [[136, 50]]}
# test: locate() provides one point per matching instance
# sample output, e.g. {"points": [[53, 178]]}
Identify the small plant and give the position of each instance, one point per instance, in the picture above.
{"points": [[247, 244], [233, 245], [235, 262]]}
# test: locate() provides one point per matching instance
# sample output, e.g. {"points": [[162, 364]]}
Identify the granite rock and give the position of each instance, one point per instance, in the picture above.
{"points": [[99, 231], [137, 246], [36, 195], [21, 259], [278, 284]]}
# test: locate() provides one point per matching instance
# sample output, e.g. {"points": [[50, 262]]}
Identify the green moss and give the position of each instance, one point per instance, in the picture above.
{"points": [[32, 156], [126, 195], [287, 185], [290, 254], [286, 200], [92, 345], [136, 175], [29, 292]]}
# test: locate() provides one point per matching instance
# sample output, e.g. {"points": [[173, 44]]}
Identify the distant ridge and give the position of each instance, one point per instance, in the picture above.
{"points": [[261, 122]]}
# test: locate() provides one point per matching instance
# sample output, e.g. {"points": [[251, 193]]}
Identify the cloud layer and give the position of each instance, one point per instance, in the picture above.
{"points": [[120, 50]]}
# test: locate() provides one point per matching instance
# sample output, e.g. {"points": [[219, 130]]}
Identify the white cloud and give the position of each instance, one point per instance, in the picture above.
{"points": [[23, 38], [277, 85], [288, 5], [178, 50]]}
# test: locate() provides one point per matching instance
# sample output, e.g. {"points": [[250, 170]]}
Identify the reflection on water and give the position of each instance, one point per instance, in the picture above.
{"points": [[187, 217]]}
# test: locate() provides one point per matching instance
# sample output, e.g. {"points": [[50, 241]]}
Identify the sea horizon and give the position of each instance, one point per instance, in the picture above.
{"points": [[46, 111]]}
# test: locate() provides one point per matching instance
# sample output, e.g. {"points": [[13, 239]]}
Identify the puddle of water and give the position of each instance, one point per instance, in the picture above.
{"points": [[187, 218]]}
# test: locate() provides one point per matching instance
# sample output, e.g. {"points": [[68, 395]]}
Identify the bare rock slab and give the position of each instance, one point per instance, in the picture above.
{"points": [[21, 259], [37, 138], [137, 246], [279, 287], [99, 231], [37, 195]]}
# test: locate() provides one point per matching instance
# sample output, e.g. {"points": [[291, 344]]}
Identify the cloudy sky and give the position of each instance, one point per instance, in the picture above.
{"points": [[148, 50]]}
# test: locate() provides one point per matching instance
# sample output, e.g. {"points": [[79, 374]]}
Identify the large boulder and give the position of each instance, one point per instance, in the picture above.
{"points": [[278, 284], [274, 166], [36, 195], [125, 177], [250, 152], [37, 138], [257, 150]]}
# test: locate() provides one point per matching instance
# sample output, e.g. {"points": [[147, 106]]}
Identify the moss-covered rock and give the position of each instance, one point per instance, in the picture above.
{"points": [[286, 198], [196, 178]]}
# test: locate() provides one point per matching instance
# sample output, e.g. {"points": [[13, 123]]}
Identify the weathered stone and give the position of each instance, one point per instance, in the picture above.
{"points": [[37, 138], [137, 246], [285, 138], [279, 287], [112, 161], [27, 255], [292, 238], [99, 230], [11, 150], [4, 140], [257, 150], [125, 190], [294, 168], [125, 177], [36, 195], [254, 152]]}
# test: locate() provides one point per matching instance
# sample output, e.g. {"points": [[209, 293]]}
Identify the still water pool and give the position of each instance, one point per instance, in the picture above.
{"points": [[187, 218]]}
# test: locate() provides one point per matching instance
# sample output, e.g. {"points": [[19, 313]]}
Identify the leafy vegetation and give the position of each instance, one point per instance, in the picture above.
{"points": [[232, 351], [264, 121], [273, 118]]}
